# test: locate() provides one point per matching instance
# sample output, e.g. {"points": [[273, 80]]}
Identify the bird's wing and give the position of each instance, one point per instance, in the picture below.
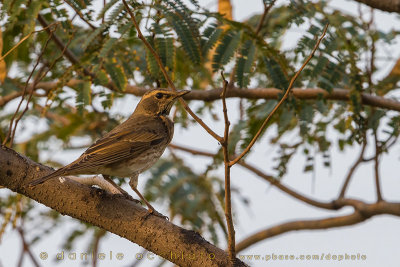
{"points": [[121, 145]]}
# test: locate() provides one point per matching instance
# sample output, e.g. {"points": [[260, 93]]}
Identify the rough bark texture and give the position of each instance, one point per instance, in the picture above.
{"points": [[385, 5], [114, 214]]}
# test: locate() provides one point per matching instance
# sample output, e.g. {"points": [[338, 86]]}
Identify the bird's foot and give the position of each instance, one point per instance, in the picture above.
{"points": [[156, 213]]}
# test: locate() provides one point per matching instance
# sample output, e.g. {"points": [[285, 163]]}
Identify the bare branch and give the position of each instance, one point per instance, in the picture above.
{"points": [[363, 211], [288, 190], [252, 142], [26, 37], [79, 13], [330, 222], [376, 168], [68, 53], [349, 175], [267, 8], [25, 247], [228, 200], [13, 126], [323, 205]]}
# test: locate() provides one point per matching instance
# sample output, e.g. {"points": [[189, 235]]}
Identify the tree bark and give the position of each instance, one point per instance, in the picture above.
{"points": [[115, 214], [385, 5]]}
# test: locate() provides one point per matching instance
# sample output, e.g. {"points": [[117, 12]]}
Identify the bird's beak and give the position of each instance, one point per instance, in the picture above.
{"points": [[181, 93]]}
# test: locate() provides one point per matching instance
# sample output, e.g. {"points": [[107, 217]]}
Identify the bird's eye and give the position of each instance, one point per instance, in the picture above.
{"points": [[159, 95]]}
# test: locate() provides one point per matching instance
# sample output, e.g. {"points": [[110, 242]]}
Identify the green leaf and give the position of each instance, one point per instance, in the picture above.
{"points": [[210, 37], [225, 50], [244, 63], [89, 38], [275, 73], [190, 42], [83, 97], [117, 75], [108, 5], [108, 45], [101, 77]]}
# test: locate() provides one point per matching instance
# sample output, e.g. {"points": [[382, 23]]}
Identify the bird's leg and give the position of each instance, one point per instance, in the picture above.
{"points": [[133, 183], [122, 191]]}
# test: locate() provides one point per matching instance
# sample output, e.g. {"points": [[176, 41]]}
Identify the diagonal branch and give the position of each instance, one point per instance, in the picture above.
{"points": [[68, 53], [252, 142], [267, 8], [14, 119], [323, 205], [349, 175], [170, 83], [77, 11], [114, 214]]}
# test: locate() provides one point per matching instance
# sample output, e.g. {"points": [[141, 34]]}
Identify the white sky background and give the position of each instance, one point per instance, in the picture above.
{"points": [[377, 238]]}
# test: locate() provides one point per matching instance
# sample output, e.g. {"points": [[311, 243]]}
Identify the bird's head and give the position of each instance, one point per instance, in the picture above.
{"points": [[158, 101]]}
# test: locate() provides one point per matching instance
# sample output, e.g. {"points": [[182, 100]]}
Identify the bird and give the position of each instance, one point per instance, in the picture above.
{"points": [[131, 147]]}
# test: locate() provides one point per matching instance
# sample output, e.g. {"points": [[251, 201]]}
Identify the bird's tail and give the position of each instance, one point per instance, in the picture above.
{"points": [[54, 174]]}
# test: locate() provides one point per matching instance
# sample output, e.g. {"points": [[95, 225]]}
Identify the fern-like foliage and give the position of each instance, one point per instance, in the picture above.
{"points": [[210, 37], [244, 63], [185, 26], [226, 49]]}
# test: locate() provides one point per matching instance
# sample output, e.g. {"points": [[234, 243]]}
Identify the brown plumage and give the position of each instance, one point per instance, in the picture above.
{"points": [[130, 148]]}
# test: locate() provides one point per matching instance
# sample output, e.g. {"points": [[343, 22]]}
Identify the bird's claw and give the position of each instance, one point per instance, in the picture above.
{"points": [[156, 213]]}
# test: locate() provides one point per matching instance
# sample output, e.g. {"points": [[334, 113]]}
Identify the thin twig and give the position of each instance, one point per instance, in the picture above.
{"points": [[36, 81], [26, 37], [26, 247], [384, 146], [79, 13], [247, 149], [376, 168], [170, 83], [267, 8], [352, 169], [228, 200], [13, 126], [68, 53], [274, 182]]}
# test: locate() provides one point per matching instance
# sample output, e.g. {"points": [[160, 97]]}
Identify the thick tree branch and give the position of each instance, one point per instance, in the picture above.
{"points": [[114, 214], [385, 5]]}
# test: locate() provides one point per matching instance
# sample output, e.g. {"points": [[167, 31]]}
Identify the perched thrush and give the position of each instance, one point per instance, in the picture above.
{"points": [[130, 148]]}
